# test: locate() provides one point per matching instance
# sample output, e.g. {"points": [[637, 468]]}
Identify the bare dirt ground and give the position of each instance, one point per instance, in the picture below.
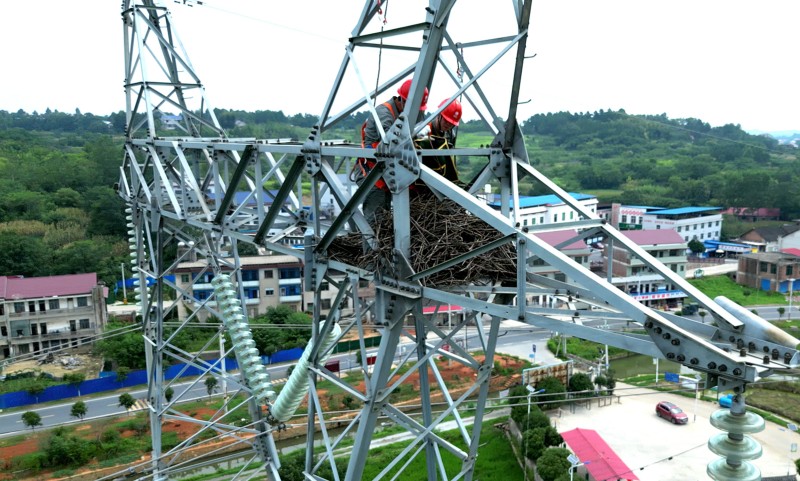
{"points": [[60, 364]]}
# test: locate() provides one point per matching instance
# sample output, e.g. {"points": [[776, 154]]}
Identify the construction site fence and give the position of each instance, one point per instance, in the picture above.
{"points": [[111, 381]]}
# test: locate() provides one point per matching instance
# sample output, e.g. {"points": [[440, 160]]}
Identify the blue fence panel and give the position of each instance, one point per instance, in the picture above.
{"points": [[15, 399], [108, 380], [288, 355], [54, 393]]}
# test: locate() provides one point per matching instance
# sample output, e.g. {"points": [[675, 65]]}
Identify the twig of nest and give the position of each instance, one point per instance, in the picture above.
{"points": [[441, 230]]}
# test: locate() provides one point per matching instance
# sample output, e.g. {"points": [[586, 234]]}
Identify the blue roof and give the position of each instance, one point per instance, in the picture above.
{"points": [[645, 207], [549, 199], [683, 210]]}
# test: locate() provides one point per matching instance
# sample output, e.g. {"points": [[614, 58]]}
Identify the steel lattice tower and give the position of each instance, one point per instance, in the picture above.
{"points": [[166, 180]]}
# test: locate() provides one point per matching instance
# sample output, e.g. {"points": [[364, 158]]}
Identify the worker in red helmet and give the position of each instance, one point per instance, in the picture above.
{"points": [[388, 112], [440, 133]]}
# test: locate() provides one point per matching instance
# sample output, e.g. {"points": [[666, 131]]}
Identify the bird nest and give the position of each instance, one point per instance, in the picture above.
{"points": [[441, 230]]}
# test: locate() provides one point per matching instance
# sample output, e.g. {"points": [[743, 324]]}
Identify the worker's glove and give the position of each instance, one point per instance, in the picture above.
{"points": [[425, 132]]}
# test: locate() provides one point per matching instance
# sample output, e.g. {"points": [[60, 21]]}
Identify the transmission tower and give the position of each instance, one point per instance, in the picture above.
{"points": [[180, 194]]}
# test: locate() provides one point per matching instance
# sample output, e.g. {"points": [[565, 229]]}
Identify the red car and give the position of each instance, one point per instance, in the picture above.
{"points": [[671, 412]]}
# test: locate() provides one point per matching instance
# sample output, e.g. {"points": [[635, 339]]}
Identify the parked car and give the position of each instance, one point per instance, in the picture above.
{"points": [[671, 412], [726, 400]]}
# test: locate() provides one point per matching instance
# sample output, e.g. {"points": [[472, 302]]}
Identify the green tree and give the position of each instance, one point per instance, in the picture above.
{"points": [[533, 443], [211, 385], [63, 449], [22, 255], [581, 383], [702, 315], [781, 312], [36, 389], [696, 246], [126, 350], [31, 419], [168, 393], [78, 410], [122, 374], [554, 392], [75, 380], [553, 463], [127, 401]]}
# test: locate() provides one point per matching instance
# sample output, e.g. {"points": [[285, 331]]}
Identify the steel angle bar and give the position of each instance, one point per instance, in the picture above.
{"points": [[280, 198], [383, 34], [635, 249], [138, 179], [422, 432], [236, 178]]}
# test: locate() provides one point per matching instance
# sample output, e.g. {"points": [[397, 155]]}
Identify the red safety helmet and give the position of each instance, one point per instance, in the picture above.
{"points": [[406, 87], [451, 113]]}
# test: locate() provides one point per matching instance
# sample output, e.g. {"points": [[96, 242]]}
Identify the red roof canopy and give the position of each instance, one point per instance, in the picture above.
{"points": [[599, 459], [443, 309]]}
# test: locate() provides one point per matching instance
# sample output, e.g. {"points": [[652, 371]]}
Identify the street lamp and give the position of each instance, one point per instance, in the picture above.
{"points": [[575, 462], [531, 392], [791, 287]]}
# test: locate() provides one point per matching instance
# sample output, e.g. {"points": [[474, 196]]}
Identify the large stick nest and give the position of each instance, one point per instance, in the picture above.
{"points": [[440, 231]]}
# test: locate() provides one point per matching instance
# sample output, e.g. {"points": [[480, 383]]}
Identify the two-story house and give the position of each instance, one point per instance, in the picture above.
{"points": [[773, 239], [701, 223], [267, 281], [634, 277], [769, 271], [41, 314]]}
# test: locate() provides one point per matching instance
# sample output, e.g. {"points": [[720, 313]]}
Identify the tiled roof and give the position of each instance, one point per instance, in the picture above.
{"points": [[600, 459], [38, 287], [555, 238], [772, 234]]}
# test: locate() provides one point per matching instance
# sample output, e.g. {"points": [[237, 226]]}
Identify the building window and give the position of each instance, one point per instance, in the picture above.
{"points": [[85, 324], [789, 271], [185, 278], [268, 274], [324, 286], [269, 292], [624, 218], [541, 220], [717, 223], [363, 283], [249, 275], [658, 227], [678, 229], [762, 266], [31, 306], [290, 291], [555, 218], [290, 273], [326, 304], [571, 213], [251, 293], [773, 269], [563, 216], [83, 301], [19, 307]]}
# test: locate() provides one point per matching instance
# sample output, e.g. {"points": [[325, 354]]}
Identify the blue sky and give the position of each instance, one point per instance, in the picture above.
{"points": [[731, 61]]}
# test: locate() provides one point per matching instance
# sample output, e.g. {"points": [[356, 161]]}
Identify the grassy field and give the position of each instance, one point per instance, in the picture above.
{"points": [[714, 286], [496, 461]]}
